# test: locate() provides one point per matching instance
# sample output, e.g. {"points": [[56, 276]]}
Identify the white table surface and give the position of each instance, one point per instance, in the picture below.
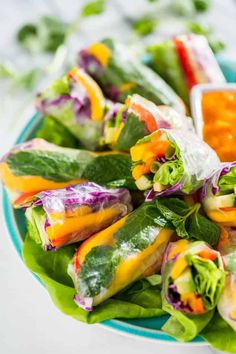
{"points": [[29, 322]]}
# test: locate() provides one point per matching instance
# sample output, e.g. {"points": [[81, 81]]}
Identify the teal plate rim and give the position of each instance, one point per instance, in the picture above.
{"points": [[117, 325]]}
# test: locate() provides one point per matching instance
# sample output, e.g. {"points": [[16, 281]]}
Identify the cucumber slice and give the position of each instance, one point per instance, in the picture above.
{"points": [[109, 134], [144, 183], [158, 187], [184, 282], [221, 201]]}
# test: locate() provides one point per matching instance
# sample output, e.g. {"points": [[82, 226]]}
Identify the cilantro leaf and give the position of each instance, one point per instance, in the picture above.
{"points": [[144, 26], [93, 8]]}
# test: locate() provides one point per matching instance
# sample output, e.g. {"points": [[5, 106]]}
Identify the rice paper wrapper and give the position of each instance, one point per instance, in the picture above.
{"points": [[74, 213], [199, 160]]}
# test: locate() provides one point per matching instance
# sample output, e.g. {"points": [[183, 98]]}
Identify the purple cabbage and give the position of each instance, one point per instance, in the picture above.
{"points": [[89, 194], [86, 303], [212, 182], [77, 101], [89, 63]]}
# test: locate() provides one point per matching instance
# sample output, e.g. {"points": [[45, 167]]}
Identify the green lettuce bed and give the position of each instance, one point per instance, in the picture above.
{"points": [[142, 299]]}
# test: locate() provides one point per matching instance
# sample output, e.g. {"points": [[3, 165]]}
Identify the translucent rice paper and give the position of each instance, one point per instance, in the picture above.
{"points": [[192, 270], [227, 302], [211, 187], [131, 248], [199, 159], [76, 212]]}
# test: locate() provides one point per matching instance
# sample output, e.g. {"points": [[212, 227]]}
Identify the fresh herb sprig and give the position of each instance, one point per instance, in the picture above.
{"points": [[187, 220]]}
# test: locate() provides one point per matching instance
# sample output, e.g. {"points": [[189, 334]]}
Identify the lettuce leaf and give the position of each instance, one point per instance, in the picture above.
{"points": [[227, 182], [54, 132], [220, 335], [184, 327], [51, 268]]}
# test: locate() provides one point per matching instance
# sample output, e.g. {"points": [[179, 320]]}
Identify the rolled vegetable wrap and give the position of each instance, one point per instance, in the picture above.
{"points": [[171, 161], [112, 259], [37, 165], [119, 75], [77, 102], [193, 276], [125, 124], [227, 247], [227, 302], [185, 61], [63, 216], [219, 195]]}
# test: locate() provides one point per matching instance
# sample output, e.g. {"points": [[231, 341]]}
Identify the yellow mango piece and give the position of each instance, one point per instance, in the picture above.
{"points": [[135, 266], [80, 223], [58, 216], [179, 247], [28, 184], [101, 52], [148, 155], [127, 86], [227, 218], [137, 151], [117, 133], [178, 267], [93, 90], [138, 171], [104, 237]]}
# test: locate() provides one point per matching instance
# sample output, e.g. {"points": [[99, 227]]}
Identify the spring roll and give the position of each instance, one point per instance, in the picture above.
{"points": [[37, 165], [112, 259], [172, 162], [125, 124], [184, 62], [77, 102], [193, 276], [218, 195], [62, 216], [119, 75], [227, 302]]}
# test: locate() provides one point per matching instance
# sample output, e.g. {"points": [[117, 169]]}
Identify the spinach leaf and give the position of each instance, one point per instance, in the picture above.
{"points": [[113, 170], [97, 270], [93, 8], [51, 165], [187, 221], [144, 26], [133, 130], [140, 229], [54, 132]]}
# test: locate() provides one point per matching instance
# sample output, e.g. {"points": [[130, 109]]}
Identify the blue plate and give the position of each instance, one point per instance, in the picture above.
{"points": [[148, 328]]}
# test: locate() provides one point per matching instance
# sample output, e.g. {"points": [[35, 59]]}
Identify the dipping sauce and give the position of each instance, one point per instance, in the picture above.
{"points": [[219, 118]]}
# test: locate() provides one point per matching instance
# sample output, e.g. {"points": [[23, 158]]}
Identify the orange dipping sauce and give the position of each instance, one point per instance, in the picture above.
{"points": [[219, 118]]}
